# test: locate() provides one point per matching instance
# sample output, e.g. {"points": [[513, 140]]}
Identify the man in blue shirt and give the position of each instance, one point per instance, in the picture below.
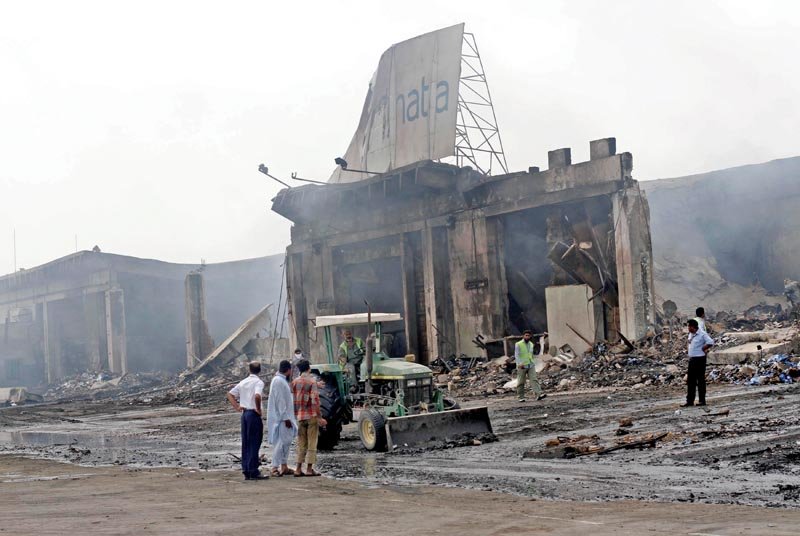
{"points": [[699, 344]]}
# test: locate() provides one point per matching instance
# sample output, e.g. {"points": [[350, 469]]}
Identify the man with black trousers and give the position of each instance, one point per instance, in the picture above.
{"points": [[699, 344], [246, 398]]}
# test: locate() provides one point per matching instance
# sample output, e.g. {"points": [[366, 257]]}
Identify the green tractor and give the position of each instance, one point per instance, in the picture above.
{"points": [[395, 402]]}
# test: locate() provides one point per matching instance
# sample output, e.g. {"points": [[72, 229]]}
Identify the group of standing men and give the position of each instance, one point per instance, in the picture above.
{"points": [[293, 410]]}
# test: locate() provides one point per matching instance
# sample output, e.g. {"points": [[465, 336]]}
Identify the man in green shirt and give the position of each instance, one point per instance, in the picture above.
{"points": [[351, 353], [526, 369]]}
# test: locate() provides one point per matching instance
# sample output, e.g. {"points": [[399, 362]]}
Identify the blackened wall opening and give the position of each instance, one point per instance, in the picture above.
{"points": [[371, 272], [528, 271]]}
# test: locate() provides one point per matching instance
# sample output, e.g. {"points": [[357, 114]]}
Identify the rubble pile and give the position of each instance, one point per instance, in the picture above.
{"points": [[198, 390], [757, 318], [153, 388], [101, 385], [201, 392], [641, 369], [598, 369], [778, 368], [657, 360], [471, 377]]}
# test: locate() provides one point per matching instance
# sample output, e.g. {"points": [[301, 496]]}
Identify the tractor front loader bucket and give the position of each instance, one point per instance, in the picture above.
{"points": [[428, 429]]}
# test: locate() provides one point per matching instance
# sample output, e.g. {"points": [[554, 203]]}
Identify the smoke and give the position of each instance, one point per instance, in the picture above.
{"points": [[739, 224]]}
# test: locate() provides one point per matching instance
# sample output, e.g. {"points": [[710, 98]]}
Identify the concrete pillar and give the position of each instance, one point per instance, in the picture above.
{"points": [[559, 158], [602, 148], [428, 274], [634, 261], [296, 306], [46, 342], [116, 335], [94, 316], [198, 341], [409, 295], [318, 288], [435, 267], [478, 280], [52, 343]]}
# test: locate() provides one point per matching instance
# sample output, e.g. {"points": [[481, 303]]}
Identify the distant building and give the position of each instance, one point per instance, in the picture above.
{"points": [[99, 311]]}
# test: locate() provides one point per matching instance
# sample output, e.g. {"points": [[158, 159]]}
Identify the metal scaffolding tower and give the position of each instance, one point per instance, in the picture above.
{"points": [[478, 142]]}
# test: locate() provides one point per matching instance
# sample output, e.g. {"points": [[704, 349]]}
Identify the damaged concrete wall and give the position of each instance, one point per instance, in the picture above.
{"points": [[443, 234], [477, 278]]}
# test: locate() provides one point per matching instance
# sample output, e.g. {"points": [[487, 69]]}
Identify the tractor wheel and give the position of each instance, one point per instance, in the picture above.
{"points": [[332, 410], [372, 429], [450, 403]]}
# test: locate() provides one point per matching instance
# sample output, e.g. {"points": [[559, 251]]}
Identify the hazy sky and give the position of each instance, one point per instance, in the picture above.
{"points": [[139, 126]]}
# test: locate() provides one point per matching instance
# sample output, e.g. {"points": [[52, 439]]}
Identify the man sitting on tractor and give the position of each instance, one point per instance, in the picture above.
{"points": [[351, 353]]}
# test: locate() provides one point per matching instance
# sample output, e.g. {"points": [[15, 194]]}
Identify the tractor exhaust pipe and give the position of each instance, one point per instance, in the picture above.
{"points": [[368, 356]]}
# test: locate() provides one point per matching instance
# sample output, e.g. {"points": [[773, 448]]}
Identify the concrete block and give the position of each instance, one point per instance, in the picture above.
{"points": [[18, 395], [602, 148], [559, 158], [747, 352], [752, 336], [570, 304]]}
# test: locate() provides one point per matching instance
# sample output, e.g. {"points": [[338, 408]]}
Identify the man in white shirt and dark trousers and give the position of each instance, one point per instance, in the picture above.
{"points": [[699, 344], [700, 316], [246, 398]]}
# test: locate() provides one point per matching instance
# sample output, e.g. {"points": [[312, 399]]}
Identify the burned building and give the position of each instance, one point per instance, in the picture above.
{"points": [[94, 311], [468, 257]]}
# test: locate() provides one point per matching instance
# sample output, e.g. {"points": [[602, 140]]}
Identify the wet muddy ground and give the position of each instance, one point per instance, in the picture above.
{"points": [[45, 497], [749, 456]]}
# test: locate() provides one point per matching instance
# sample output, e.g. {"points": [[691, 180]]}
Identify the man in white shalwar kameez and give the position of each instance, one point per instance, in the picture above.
{"points": [[281, 422]]}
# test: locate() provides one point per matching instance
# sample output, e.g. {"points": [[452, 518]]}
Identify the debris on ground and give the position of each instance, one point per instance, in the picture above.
{"points": [[656, 360], [584, 445], [474, 377], [95, 385], [234, 346], [625, 422], [153, 388], [15, 396]]}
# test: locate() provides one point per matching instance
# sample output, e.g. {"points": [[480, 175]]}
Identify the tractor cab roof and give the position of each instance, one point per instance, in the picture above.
{"points": [[357, 319]]}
